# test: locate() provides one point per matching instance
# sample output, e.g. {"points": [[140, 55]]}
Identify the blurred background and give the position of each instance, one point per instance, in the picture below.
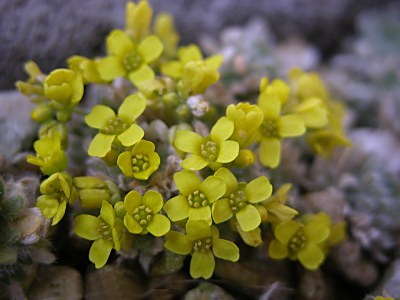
{"points": [[50, 31]]}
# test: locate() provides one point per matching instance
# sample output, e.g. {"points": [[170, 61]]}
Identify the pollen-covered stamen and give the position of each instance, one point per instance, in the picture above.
{"points": [[269, 128], [143, 215], [237, 200], [105, 231], [132, 61], [209, 151], [202, 245], [140, 162], [297, 242], [115, 126], [197, 199]]}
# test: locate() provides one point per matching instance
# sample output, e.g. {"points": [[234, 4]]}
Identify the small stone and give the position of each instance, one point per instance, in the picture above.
{"points": [[206, 291], [57, 282]]}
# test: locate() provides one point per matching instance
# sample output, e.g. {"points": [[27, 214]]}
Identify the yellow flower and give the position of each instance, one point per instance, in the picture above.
{"points": [[314, 113], [86, 67], [129, 59], [212, 150], [140, 162], [56, 191], [304, 242], [137, 19], [324, 141], [196, 74], [307, 85], [50, 156], [64, 86], [143, 214], [275, 127], [105, 230], [195, 197], [247, 118], [121, 127], [276, 210], [202, 242], [239, 200]]}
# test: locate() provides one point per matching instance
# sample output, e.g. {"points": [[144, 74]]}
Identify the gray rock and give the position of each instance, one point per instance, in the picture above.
{"points": [[16, 126]]}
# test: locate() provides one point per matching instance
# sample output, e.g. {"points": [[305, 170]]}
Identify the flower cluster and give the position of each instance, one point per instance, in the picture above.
{"points": [[124, 197]]}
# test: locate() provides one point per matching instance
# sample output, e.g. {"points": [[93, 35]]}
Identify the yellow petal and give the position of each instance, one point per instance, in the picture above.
{"points": [[228, 151], [248, 217], [188, 141], [270, 152], [222, 130], [99, 116], [228, 178], [100, 145], [189, 53], [178, 243], [153, 200], [132, 225], [124, 162], [290, 125], [110, 68], [225, 249], [311, 257], [258, 189], [202, 264], [99, 252], [132, 201], [132, 135], [221, 210], [194, 162], [177, 208], [277, 250], [132, 107], [118, 42], [150, 48], [186, 181], [173, 69], [159, 225], [143, 73]]}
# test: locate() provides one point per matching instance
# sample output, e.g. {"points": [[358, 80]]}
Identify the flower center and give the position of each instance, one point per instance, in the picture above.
{"points": [[105, 231], [297, 242], [269, 128], [209, 151], [115, 126], [202, 244], [143, 215], [140, 162], [197, 199], [132, 61], [237, 200]]}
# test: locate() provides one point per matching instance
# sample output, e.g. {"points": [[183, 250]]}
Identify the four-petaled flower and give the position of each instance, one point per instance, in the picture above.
{"points": [[196, 74], [304, 242], [202, 242], [105, 230], [140, 162], [212, 150], [195, 197], [121, 127], [56, 191], [64, 86], [143, 214], [239, 198], [50, 156], [275, 127], [129, 59]]}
